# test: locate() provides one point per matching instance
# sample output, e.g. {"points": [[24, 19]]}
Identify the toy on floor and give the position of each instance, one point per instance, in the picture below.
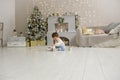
{"points": [[51, 48]]}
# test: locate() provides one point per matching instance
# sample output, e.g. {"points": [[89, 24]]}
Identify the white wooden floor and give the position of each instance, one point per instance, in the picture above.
{"points": [[77, 64]]}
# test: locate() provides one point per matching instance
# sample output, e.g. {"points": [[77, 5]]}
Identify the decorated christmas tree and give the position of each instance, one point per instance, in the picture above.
{"points": [[36, 26]]}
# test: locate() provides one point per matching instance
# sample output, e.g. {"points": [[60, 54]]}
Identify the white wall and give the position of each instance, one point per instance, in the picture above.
{"points": [[92, 12], [23, 10], [108, 11], [7, 15]]}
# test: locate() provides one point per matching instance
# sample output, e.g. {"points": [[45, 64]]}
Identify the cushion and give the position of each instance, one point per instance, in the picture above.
{"points": [[90, 31], [84, 30], [87, 31], [99, 31], [115, 30], [110, 26]]}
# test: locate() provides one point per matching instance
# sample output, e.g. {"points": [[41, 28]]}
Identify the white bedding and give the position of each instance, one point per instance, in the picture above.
{"points": [[113, 43]]}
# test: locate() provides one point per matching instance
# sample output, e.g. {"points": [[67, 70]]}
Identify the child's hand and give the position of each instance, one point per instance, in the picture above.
{"points": [[52, 45]]}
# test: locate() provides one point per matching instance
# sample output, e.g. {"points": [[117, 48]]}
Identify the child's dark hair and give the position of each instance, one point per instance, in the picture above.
{"points": [[55, 34]]}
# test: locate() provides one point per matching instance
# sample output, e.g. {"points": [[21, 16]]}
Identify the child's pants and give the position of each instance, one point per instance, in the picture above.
{"points": [[60, 48]]}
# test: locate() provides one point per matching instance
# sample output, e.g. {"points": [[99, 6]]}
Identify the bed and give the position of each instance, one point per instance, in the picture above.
{"points": [[94, 40]]}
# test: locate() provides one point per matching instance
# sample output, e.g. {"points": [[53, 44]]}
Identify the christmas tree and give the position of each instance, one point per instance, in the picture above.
{"points": [[36, 26]]}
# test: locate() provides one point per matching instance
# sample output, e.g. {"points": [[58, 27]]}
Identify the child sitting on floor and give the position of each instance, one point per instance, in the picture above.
{"points": [[58, 43]]}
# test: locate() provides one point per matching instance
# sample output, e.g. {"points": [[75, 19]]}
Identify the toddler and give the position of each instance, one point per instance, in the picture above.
{"points": [[58, 43]]}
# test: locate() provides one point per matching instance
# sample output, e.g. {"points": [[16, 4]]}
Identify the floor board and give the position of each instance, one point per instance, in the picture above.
{"points": [[36, 63]]}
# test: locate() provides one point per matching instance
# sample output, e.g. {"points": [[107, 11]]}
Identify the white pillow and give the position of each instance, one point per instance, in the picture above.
{"points": [[115, 30]]}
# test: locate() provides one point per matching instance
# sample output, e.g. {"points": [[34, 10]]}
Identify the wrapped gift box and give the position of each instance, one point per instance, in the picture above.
{"points": [[33, 43], [37, 43], [41, 42], [16, 41]]}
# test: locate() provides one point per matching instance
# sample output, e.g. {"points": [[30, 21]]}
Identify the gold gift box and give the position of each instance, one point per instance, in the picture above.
{"points": [[27, 44], [33, 43], [41, 42], [36, 43]]}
